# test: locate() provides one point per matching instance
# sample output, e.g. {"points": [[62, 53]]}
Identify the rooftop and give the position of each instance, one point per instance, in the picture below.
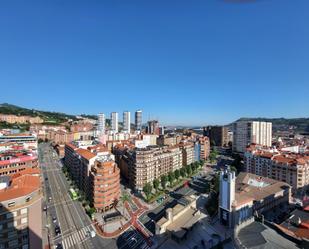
{"points": [[257, 235], [21, 184], [250, 187]]}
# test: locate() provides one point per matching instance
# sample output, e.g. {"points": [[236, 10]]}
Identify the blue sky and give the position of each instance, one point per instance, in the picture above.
{"points": [[183, 62]]}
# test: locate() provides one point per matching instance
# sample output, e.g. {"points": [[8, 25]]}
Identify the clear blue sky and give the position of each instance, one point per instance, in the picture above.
{"points": [[184, 62]]}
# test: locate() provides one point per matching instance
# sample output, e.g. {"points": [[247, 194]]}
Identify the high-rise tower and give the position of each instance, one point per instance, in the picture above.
{"points": [[114, 120], [138, 120], [127, 121], [101, 123]]}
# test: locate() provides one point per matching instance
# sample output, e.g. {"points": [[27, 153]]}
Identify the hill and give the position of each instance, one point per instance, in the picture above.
{"points": [[48, 117], [299, 125]]}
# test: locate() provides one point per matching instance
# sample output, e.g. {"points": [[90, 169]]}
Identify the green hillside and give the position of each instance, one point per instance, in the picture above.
{"points": [[48, 117]]}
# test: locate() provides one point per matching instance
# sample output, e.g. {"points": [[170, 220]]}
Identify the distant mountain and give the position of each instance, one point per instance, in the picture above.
{"points": [[48, 117], [300, 125]]}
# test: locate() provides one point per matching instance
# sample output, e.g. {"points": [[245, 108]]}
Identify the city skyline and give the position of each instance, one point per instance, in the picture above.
{"points": [[203, 63]]}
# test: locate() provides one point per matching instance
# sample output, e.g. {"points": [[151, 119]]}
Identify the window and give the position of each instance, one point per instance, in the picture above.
{"points": [[9, 215], [11, 204], [24, 220], [23, 211]]}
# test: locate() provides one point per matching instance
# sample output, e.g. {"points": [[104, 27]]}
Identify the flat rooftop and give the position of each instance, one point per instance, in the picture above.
{"points": [[257, 235]]}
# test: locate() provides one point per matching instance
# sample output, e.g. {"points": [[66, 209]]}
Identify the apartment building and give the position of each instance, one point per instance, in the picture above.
{"points": [[153, 127], [12, 119], [114, 122], [204, 147], [88, 164], [188, 155], [15, 161], [27, 140], [127, 122], [288, 167], [248, 132], [105, 183], [218, 135], [21, 211], [143, 165], [101, 124], [138, 120]]}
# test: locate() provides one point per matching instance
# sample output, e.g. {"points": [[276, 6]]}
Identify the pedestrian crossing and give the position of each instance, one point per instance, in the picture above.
{"points": [[76, 238]]}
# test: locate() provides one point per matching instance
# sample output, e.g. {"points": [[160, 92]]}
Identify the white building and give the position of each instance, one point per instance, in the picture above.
{"points": [[248, 132], [127, 121], [101, 124], [114, 120]]}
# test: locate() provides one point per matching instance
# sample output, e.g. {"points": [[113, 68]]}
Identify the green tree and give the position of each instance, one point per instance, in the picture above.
{"points": [[193, 167], [213, 155], [189, 170], [171, 177], [156, 184], [147, 190], [183, 172], [163, 181], [177, 174]]}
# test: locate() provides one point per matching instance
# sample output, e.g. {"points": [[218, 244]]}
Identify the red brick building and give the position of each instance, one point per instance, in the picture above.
{"points": [[105, 183]]}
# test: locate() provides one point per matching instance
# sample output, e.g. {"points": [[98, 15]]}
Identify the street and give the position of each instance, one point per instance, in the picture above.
{"points": [[75, 226]]}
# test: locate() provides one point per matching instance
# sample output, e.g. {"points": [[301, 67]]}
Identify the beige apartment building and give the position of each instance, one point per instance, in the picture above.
{"points": [[20, 211], [283, 166], [151, 163], [12, 119]]}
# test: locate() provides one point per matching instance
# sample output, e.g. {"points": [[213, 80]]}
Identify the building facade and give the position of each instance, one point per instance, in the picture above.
{"points": [[218, 135], [93, 169], [188, 154], [247, 195], [138, 120], [20, 211], [283, 166], [101, 123], [127, 122], [12, 162], [114, 122], [248, 132], [105, 183], [143, 165], [153, 127]]}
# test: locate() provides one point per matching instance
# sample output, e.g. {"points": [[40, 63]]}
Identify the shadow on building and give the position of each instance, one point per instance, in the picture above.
{"points": [[16, 227]]}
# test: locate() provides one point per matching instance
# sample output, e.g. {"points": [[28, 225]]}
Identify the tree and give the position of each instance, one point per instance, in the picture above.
{"points": [[156, 184], [163, 181], [237, 164], [147, 189], [213, 155], [171, 177], [193, 167], [189, 170], [177, 174], [183, 172]]}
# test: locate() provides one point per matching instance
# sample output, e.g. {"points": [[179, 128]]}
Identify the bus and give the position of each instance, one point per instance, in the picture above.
{"points": [[73, 194]]}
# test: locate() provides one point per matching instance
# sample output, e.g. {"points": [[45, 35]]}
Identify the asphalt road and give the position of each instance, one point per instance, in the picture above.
{"points": [[75, 225]]}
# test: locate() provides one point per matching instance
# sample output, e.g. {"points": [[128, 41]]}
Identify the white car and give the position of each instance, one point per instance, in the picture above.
{"points": [[92, 234]]}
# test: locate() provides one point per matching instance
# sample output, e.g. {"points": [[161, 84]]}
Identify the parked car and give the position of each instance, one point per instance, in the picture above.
{"points": [[59, 246], [57, 230], [54, 219]]}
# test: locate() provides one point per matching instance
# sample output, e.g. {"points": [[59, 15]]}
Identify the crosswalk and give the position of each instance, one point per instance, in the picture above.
{"points": [[76, 238]]}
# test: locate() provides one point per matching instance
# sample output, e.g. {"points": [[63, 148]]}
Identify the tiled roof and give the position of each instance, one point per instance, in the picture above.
{"points": [[85, 153], [20, 186]]}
